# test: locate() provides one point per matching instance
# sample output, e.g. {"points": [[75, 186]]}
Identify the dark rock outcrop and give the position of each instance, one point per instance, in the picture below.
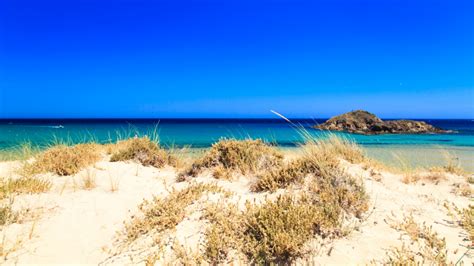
{"points": [[363, 122]]}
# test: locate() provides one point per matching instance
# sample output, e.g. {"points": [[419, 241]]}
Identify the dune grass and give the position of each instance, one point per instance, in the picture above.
{"points": [[429, 248], [320, 158], [236, 156], [143, 150], [7, 215], [276, 231], [273, 232], [64, 160], [21, 152], [10, 188], [464, 218], [23, 185], [165, 213]]}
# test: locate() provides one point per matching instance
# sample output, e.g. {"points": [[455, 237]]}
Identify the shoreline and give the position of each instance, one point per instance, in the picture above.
{"points": [[415, 155]]}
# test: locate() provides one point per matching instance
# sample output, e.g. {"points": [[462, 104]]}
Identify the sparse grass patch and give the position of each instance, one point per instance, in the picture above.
{"points": [[430, 247], [161, 214], [463, 218], [320, 158], [64, 160], [225, 233], [185, 256], [88, 180], [340, 147], [23, 185], [22, 152], [143, 150], [7, 215], [241, 156], [433, 176], [320, 164], [453, 165], [463, 189]]}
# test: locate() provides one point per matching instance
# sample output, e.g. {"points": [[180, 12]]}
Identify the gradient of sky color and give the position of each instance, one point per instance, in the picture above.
{"points": [[209, 58]]}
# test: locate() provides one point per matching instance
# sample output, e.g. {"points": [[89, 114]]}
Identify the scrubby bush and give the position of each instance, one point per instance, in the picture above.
{"points": [[7, 215], [65, 160], [430, 248], [320, 159], [164, 213], [276, 231], [143, 150], [241, 156]]}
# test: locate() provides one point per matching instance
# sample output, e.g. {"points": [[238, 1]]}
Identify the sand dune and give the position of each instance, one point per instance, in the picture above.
{"points": [[72, 224]]}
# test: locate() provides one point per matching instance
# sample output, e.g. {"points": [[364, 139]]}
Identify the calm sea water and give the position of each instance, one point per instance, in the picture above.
{"points": [[201, 133], [204, 132]]}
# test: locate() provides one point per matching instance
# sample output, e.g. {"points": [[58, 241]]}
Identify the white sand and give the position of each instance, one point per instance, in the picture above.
{"points": [[77, 226]]}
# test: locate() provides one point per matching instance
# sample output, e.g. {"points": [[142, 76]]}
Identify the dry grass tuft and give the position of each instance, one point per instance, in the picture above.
{"points": [[224, 235], [23, 185], [292, 172], [161, 214], [463, 218], [320, 158], [185, 256], [241, 156], [276, 232], [434, 175], [143, 150], [463, 189], [338, 146], [88, 180], [273, 232], [319, 162], [23, 151], [64, 160], [430, 249], [7, 215], [453, 165]]}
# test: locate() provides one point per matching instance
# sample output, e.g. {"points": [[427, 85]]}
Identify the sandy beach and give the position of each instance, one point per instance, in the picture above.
{"points": [[82, 218]]}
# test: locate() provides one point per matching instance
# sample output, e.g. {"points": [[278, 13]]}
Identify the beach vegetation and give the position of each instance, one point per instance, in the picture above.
{"points": [[23, 151], [463, 189], [163, 213], [23, 185], [64, 160], [464, 218], [88, 180], [7, 215], [142, 150], [238, 156], [225, 232], [430, 247], [275, 231]]}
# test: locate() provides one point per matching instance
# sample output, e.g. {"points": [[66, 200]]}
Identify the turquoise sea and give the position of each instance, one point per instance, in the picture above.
{"points": [[201, 133]]}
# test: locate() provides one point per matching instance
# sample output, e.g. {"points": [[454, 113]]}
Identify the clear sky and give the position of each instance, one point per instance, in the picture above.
{"points": [[209, 58]]}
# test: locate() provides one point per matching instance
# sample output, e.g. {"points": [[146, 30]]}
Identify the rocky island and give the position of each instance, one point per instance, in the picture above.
{"points": [[363, 122]]}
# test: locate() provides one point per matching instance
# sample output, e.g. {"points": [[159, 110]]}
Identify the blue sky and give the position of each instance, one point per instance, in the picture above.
{"points": [[208, 58]]}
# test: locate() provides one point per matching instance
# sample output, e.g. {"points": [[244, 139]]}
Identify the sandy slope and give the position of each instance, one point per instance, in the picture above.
{"points": [[72, 225]]}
